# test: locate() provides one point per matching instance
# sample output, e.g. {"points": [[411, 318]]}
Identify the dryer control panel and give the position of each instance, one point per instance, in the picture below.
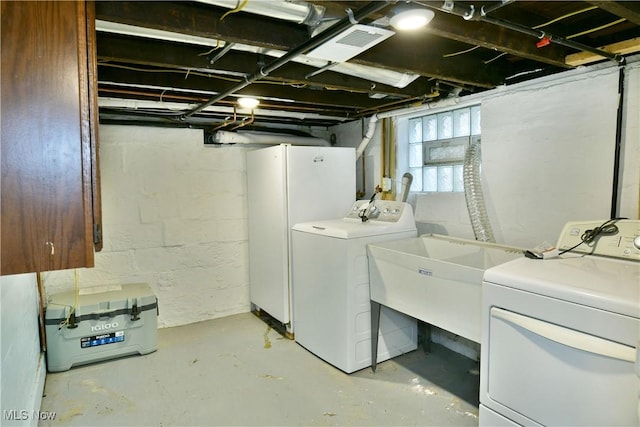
{"points": [[620, 240]]}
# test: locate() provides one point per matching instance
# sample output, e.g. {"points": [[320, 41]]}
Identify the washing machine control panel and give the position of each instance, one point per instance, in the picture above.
{"points": [[379, 210], [623, 241]]}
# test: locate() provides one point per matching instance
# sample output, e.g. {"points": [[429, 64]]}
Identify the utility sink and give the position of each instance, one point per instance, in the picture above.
{"points": [[435, 278]]}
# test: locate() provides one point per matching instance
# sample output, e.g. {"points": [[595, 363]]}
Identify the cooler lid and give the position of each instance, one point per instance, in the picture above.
{"points": [[91, 299]]}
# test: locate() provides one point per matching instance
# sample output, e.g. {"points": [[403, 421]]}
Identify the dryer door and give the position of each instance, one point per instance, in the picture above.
{"points": [[554, 375]]}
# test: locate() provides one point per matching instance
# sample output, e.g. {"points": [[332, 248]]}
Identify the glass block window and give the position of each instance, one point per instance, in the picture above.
{"points": [[437, 146]]}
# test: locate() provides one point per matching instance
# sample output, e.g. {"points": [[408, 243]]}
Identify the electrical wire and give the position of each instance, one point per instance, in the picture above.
{"points": [[449, 55], [295, 84], [212, 50], [494, 58], [565, 16], [238, 8], [589, 236], [65, 322], [167, 70]]}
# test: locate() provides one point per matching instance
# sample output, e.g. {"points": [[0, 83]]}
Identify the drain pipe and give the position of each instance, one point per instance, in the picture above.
{"points": [[345, 23], [470, 14], [618, 146], [371, 129]]}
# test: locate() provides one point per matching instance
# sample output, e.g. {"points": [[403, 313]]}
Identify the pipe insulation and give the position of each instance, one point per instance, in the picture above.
{"points": [[265, 138], [371, 130], [298, 12], [473, 194]]}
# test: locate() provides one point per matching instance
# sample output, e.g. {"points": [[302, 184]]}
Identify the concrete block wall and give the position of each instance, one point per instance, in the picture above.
{"points": [[174, 216]]}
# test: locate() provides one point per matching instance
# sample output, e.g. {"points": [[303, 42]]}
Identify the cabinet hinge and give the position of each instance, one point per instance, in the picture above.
{"points": [[97, 234]]}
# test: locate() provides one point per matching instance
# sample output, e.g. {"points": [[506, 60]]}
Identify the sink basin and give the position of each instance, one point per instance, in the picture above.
{"points": [[435, 278]]}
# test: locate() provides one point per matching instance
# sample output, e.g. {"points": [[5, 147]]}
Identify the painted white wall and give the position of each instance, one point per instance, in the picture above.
{"points": [[547, 158], [23, 367], [368, 166], [629, 203], [174, 216]]}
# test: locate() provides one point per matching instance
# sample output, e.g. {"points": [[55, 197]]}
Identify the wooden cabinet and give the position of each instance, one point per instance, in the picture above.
{"points": [[50, 199]]}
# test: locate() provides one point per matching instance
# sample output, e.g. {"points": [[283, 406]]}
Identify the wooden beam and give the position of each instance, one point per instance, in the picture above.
{"points": [[622, 48], [630, 10], [158, 53], [114, 73], [203, 20]]}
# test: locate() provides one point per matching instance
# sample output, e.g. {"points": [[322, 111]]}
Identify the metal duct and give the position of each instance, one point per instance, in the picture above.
{"points": [[473, 194], [310, 44]]}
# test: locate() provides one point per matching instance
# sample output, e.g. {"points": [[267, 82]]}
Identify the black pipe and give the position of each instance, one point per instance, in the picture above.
{"points": [[305, 47], [618, 147], [488, 10], [557, 39], [471, 14]]}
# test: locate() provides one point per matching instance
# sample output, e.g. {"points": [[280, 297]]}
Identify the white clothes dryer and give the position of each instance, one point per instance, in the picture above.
{"points": [[560, 335], [331, 307]]}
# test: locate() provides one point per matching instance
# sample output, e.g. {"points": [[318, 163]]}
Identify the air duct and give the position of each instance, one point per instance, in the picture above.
{"points": [[473, 194], [309, 45], [299, 12], [407, 179]]}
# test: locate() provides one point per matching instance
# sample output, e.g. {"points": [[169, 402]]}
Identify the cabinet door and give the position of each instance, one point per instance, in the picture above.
{"points": [[90, 123], [46, 187]]}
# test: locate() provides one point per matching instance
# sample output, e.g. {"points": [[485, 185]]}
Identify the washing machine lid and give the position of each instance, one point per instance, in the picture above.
{"points": [[346, 228], [604, 283]]}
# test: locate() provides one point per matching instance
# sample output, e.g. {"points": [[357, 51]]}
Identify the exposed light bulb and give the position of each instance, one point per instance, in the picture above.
{"points": [[411, 19], [246, 102]]}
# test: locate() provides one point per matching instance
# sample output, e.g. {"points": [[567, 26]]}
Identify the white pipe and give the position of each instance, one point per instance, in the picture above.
{"points": [[379, 75], [179, 106], [371, 129], [253, 137], [298, 12]]}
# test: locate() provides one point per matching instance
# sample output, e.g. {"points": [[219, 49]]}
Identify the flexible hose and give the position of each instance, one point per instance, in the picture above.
{"points": [[473, 195], [407, 179]]}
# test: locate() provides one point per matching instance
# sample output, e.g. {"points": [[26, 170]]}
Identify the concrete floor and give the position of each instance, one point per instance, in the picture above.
{"points": [[238, 371]]}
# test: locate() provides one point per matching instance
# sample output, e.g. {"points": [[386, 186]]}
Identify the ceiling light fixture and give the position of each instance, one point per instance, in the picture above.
{"points": [[411, 19], [246, 102]]}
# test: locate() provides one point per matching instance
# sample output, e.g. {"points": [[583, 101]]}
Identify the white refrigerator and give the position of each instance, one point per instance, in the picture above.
{"points": [[288, 184]]}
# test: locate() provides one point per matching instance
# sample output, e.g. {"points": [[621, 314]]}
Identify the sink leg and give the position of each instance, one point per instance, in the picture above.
{"points": [[424, 333], [375, 326]]}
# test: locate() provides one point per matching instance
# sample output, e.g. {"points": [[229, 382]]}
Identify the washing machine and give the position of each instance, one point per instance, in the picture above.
{"points": [[331, 306], [560, 335]]}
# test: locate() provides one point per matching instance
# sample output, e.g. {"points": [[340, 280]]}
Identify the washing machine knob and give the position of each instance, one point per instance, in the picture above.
{"points": [[636, 242]]}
